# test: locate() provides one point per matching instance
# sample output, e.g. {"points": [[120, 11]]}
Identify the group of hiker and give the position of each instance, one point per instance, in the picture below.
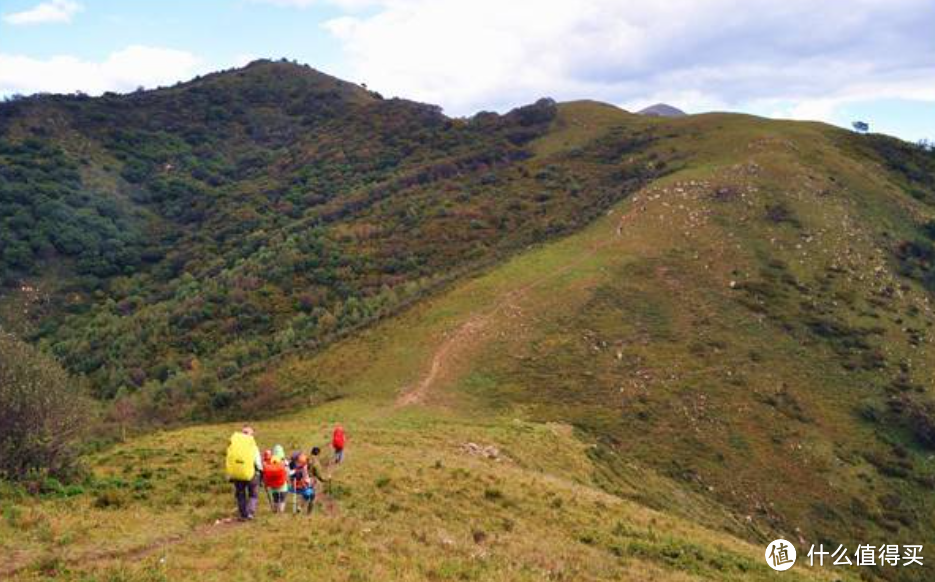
{"points": [[300, 474]]}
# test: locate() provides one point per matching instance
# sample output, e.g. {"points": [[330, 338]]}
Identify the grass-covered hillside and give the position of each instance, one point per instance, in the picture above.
{"points": [[685, 337], [749, 328], [413, 502]]}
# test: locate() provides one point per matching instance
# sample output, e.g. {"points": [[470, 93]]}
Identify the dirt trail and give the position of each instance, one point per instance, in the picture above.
{"points": [[470, 334]]}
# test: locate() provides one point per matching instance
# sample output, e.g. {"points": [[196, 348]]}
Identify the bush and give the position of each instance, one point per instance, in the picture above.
{"points": [[42, 414], [919, 417], [493, 494], [111, 499], [780, 213]]}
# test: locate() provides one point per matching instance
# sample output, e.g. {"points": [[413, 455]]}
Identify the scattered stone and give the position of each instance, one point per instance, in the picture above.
{"points": [[490, 451]]}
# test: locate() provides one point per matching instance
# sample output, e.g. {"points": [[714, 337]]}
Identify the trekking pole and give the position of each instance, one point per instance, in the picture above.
{"points": [[269, 498], [326, 498]]}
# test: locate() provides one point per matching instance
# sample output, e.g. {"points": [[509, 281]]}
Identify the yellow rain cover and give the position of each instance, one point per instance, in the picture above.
{"points": [[241, 455]]}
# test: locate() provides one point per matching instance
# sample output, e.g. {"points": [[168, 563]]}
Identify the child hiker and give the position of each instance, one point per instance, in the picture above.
{"points": [[301, 484], [276, 478]]}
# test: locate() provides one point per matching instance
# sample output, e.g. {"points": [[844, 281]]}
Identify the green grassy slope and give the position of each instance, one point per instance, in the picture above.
{"points": [[742, 327], [411, 503]]}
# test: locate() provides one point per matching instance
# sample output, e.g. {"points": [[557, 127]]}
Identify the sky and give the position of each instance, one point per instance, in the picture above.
{"points": [[828, 60]]}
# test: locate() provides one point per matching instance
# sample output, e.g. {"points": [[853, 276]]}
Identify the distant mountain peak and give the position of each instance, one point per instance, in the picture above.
{"points": [[662, 110], [282, 74], [286, 67]]}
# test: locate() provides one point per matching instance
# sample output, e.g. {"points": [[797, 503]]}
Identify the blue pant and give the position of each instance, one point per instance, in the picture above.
{"points": [[308, 494]]}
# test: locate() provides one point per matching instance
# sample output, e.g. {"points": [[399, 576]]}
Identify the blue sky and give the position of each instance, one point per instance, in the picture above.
{"points": [[833, 61], [220, 33]]}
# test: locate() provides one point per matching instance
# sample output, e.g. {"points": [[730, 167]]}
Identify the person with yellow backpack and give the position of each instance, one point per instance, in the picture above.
{"points": [[244, 466]]}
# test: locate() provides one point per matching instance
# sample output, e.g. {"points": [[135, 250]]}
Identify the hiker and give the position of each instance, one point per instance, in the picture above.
{"points": [[315, 469], [276, 478], [280, 494], [266, 458], [243, 468], [301, 483], [337, 444]]}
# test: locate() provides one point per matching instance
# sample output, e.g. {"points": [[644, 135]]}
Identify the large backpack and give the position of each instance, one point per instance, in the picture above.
{"points": [[274, 474], [241, 456], [337, 440], [300, 478]]}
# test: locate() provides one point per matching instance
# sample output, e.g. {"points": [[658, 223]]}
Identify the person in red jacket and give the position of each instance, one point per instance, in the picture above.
{"points": [[337, 443]]}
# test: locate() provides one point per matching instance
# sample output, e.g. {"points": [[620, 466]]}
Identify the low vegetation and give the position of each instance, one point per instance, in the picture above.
{"points": [[42, 415]]}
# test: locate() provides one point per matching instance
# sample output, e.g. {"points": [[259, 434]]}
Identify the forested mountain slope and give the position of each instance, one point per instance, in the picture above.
{"points": [[158, 243]]}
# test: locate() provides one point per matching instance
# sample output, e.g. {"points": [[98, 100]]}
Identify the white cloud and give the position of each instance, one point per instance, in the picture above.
{"points": [[54, 11], [121, 71], [345, 4], [699, 55], [910, 86]]}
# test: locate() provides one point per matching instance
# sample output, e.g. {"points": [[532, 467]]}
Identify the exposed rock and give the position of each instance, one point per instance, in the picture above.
{"points": [[488, 451]]}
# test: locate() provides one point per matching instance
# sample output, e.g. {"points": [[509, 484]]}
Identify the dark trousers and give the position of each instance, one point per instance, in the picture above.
{"points": [[248, 494]]}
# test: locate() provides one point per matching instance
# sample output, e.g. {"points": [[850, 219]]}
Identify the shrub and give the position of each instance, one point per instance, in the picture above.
{"points": [[111, 499], [493, 494], [50, 565], [919, 417], [780, 213], [382, 482], [52, 486], [42, 414]]}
